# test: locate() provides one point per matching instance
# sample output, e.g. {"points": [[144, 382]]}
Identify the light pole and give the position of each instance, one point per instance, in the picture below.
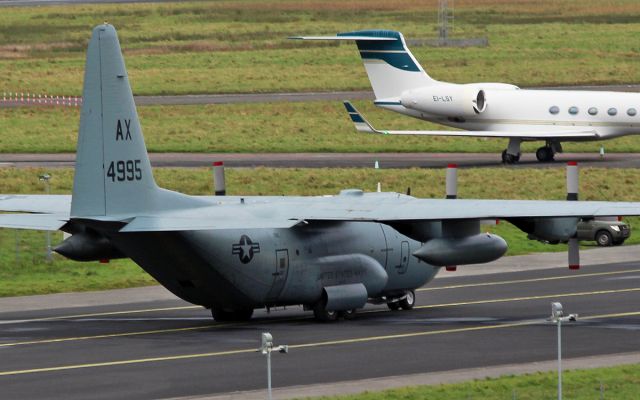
{"points": [[47, 188], [266, 349], [557, 316]]}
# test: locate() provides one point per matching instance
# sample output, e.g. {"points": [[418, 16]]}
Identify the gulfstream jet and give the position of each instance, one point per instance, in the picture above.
{"points": [[497, 110], [233, 254]]}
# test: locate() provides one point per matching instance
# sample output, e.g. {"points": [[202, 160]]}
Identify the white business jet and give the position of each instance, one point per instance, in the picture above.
{"points": [[500, 110]]}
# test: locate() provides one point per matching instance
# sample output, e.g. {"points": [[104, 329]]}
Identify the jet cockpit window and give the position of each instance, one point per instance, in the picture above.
{"points": [[573, 110], [593, 111], [612, 111], [632, 112], [554, 110]]}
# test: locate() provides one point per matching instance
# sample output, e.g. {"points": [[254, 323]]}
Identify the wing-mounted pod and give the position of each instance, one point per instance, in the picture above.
{"points": [[552, 230], [453, 242]]}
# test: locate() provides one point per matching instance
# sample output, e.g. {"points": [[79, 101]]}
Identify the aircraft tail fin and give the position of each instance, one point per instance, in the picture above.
{"points": [[113, 173], [391, 67]]}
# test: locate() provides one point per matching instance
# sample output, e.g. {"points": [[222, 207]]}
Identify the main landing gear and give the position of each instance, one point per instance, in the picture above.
{"points": [[545, 154], [510, 158], [406, 303]]}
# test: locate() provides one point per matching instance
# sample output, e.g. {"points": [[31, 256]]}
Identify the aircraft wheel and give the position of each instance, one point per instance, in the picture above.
{"points": [[603, 238], [221, 315], [409, 301], [348, 314], [545, 154], [510, 158], [322, 314], [393, 306]]}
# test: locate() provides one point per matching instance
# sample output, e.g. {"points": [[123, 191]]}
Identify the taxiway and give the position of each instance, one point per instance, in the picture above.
{"points": [[164, 347]]}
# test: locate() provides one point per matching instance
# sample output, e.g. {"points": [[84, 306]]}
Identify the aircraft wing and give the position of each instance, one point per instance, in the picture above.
{"points": [[283, 213], [406, 208], [362, 125]]}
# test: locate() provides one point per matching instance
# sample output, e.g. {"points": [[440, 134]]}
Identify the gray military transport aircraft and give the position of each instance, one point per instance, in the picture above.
{"points": [[233, 254]]}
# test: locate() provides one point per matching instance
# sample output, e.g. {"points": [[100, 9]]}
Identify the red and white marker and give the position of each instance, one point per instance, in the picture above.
{"points": [[218, 179], [451, 183], [572, 195]]}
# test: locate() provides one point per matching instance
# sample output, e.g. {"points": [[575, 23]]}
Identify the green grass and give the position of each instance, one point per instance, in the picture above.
{"points": [[25, 271], [241, 46], [619, 382], [266, 127]]}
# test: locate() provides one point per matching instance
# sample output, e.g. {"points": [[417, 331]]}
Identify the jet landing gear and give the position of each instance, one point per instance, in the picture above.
{"points": [[547, 152], [510, 158], [511, 154]]}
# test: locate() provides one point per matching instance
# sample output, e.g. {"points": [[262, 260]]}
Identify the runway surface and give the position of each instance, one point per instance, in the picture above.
{"points": [[168, 348], [343, 160]]}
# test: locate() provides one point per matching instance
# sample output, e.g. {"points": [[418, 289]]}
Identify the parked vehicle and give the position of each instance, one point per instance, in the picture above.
{"points": [[605, 233]]}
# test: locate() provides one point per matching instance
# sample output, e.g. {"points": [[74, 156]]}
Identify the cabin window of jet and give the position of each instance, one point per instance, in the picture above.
{"points": [[612, 111], [554, 110], [593, 111], [631, 112], [573, 110]]}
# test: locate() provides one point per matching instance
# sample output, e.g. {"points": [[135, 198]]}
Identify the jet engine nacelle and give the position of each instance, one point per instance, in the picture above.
{"points": [[476, 249], [446, 100], [548, 229]]}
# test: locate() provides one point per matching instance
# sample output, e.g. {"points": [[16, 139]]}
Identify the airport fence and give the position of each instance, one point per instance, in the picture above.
{"points": [[15, 99]]}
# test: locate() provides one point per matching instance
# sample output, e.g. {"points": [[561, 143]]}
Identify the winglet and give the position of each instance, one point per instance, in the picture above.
{"points": [[362, 125]]}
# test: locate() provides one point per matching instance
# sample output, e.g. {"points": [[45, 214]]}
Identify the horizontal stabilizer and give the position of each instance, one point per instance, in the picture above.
{"points": [[343, 38], [35, 203], [362, 125], [43, 222]]}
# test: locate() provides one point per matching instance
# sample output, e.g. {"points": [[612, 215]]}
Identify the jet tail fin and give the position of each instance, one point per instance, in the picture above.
{"points": [[113, 173], [391, 67]]}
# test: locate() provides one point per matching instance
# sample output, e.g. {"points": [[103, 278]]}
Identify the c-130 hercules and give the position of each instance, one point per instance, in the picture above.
{"points": [[233, 254]]}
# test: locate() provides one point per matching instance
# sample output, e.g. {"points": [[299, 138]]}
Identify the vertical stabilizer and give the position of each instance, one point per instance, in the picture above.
{"points": [[113, 173], [391, 67]]}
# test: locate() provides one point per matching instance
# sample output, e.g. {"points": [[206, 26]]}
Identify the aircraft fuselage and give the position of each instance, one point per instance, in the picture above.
{"points": [[272, 267]]}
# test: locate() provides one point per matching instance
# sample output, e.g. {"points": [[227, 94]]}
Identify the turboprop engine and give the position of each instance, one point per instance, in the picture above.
{"points": [[552, 230]]}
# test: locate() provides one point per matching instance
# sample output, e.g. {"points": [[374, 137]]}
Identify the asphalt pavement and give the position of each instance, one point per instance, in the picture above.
{"points": [[155, 346], [338, 160]]}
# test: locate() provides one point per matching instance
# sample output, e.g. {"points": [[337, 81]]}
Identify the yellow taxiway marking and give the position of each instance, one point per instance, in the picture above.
{"points": [[103, 314], [541, 297], [300, 346], [149, 310], [194, 328], [550, 278]]}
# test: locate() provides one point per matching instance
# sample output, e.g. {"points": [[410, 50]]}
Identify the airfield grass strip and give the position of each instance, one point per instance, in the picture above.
{"points": [[242, 46], [619, 382], [316, 126], [24, 270]]}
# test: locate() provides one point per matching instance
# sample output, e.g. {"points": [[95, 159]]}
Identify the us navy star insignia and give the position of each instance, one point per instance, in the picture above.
{"points": [[245, 249]]}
